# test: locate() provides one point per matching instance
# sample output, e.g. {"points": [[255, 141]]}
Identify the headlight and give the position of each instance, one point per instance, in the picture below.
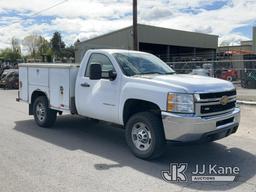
{"points": [[180, 103]]}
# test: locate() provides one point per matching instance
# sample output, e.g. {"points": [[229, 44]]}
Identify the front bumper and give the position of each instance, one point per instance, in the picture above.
{"points": [[183, 128]]}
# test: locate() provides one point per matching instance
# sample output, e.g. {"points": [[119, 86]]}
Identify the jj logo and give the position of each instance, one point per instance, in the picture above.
{"points": [[176, 172]]}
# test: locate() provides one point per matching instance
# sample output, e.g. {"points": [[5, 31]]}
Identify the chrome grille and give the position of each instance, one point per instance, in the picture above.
{"points": [[209, 104], [217, 95]]}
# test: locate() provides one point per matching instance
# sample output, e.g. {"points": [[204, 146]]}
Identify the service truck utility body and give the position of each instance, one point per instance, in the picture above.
{"points": [[57, 81], [118, 86]]}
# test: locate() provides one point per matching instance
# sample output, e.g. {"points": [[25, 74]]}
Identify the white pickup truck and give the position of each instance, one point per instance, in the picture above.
{"points": [[136, 90]]}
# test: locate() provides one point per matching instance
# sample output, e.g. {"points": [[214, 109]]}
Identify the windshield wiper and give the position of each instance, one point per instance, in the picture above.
{"points": [[169, 73], [151, 73]]}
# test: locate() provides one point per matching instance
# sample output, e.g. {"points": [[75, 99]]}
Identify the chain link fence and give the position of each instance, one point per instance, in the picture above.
{"points": [[240, 72]]}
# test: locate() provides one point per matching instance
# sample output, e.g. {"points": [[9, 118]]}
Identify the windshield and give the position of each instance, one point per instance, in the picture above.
{"points": [[141, 63]]}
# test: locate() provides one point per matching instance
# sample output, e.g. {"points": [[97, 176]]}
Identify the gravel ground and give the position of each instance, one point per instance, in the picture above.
{"points": [[81, 155]]}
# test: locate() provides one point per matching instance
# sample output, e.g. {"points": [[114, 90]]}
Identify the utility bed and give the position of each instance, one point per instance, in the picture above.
{"points": [[57, 81]]}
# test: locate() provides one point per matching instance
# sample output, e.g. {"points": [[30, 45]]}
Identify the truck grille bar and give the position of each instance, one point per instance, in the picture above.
{"points": [[209, 104], [217, 95]]}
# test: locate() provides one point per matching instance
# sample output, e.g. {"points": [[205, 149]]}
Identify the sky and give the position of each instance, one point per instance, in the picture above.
{"points": [[231, 20]]}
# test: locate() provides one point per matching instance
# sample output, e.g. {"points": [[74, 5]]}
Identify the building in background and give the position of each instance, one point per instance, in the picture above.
{"points": [[168, 44], [238, 55], [240, 60], [254, 39]]}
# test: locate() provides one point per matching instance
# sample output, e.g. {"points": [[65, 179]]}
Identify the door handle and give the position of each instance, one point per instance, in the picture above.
{"points": [[85, 84]]}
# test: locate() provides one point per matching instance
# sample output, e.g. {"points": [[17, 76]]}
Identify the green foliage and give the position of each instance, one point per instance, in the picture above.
{"points": [[16, 45], [44, 47], [68, 52], [38, 48], [10, 55], [35, 45], [57, 44]]}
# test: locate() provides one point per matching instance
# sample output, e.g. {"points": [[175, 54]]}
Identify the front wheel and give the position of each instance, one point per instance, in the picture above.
{"points": [[43, 115], [145, 136]]}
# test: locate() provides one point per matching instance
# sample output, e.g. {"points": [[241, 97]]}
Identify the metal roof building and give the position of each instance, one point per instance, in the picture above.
{"points": [[168, 44]]}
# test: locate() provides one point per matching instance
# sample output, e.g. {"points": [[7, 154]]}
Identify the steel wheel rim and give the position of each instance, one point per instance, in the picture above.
{"points": [[141, 136], [40, 111]]}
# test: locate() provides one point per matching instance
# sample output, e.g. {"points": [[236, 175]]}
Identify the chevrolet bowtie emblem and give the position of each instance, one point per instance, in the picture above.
{"points": [[224, 100]]}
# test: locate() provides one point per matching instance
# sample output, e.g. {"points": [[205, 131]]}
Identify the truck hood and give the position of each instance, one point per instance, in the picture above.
{"points": [[191, 83]]}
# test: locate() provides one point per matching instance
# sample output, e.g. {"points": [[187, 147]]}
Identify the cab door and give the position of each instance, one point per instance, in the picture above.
{"points": [[99, 98]]}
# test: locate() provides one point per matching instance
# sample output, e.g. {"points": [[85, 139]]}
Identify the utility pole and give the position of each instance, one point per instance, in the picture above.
{"points": [[135, 30]]}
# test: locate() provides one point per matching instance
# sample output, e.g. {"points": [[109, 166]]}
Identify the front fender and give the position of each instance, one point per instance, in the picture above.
{"points": [[141, 91]]}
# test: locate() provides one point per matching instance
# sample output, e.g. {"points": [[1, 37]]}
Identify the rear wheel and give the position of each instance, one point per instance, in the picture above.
{"points": [[145, 136], [43, 115], [229, 78]]}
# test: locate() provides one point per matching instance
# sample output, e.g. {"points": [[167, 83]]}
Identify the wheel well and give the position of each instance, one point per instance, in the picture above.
{"points": [[35, 95], [133, 106]]}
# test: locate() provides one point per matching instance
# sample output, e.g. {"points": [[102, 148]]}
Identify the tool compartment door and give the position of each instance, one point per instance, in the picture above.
{"points": [[23, 83], [59, 88]]}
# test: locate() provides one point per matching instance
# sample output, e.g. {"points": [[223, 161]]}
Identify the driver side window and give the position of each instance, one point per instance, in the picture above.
{"points": [[103, 60]]}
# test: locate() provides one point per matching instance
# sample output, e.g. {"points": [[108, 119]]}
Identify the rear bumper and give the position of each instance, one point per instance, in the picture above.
{"points": [[181, 128]]}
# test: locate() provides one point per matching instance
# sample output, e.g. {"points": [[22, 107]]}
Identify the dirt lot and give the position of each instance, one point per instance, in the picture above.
{"points": [[81, 155]]}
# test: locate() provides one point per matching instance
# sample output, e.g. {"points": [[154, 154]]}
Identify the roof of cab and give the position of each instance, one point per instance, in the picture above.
{"points": [[111, 51]]}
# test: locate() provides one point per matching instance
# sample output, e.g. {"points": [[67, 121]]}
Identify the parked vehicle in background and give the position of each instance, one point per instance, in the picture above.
{"points": [[206, 70], [201, 72], [209, 68], [10, 80], [1, 71], [136, 90], [228, 74], [4, 73]]}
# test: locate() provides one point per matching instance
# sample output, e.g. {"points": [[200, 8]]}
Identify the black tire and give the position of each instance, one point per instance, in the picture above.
{"points": [[154, 126], [48, 117], [229, 78]]}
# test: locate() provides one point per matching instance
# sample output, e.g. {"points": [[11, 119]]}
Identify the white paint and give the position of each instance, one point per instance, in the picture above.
{"points": [[105, 99]]}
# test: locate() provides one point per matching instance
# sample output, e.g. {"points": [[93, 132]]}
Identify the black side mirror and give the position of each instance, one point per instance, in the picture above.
{"points": [[95, 71], [112, 75]]}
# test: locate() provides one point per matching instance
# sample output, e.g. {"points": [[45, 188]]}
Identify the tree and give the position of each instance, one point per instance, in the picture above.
{"points": [[57, 44], [45, 50], [69, 52], [44, 46], [9, 55], [16, 45], [33, 43], [38, 47]]}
